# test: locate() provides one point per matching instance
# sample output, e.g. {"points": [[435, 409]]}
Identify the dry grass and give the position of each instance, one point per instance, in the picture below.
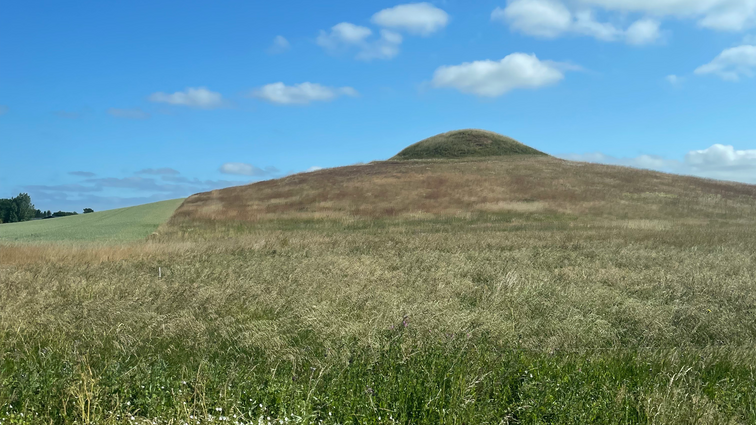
{"points": [[400, 293], [390, 189]]}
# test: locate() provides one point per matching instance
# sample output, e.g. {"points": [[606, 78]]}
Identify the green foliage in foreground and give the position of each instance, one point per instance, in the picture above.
{"points": [[123, 224], [488, 320]]}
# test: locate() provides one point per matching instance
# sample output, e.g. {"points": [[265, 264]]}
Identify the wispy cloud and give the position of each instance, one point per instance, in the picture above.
{"points": [[196, 97], [300, 94], [732, 64], [244, 169], [280, 45], [3, 109]]}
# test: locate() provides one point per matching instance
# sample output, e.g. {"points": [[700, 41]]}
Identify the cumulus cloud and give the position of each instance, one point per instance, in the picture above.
{"points": [[3, 109], [243, 169], [732, 64], [197, 97], [386, 47], [159, 171], [489, 78], [724, 15], [300, 94], [313, 168], [551, 19], [415, 18], [342, 34], [718, 161], [345, 36], [81, 174], [280, 45], [134, 113]]}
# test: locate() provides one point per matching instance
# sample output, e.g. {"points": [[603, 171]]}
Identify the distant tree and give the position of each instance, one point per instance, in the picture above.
{"points": [[88, 210], [24, 207]]}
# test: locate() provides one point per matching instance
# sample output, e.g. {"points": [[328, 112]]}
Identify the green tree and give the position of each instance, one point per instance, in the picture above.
{"points": [[24, 207]]}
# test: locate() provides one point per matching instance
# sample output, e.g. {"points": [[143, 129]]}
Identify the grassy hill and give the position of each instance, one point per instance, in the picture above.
{"points": [[499, 289], [119, 225], [465, 144]]}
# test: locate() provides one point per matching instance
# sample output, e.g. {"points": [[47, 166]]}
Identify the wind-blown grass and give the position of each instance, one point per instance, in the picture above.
{"points": [[119, 225], [479, 292], [493, 319]]}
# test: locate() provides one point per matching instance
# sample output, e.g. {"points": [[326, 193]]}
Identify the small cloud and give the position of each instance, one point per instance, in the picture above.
{"points": [[82, 174], [67, 115], [134, 113], [313, 168], [243, 169], [415, 18], [341, 34], [732, 64], [489, 78], [197, 97], [386, 47], [3, 109], [674, 79], [280, 45], [159, 171], [643, 31], [300, 94]]}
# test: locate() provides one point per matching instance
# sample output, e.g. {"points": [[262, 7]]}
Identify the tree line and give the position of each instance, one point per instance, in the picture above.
{"points": [[20, 208]]}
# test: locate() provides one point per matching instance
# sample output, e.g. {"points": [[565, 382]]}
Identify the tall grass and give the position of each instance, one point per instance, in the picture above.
{"points": [[509, 317]]}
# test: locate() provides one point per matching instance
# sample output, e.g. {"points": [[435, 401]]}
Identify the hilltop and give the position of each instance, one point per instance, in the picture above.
{"points": [[465, 144]]}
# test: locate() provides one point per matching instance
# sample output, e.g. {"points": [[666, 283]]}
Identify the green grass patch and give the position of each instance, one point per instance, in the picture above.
{"points": [[123, 224], [465, 144]]}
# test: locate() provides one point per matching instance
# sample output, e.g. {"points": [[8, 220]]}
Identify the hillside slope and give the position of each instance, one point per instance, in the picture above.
{"points": [[123, 224], [523, 185]]}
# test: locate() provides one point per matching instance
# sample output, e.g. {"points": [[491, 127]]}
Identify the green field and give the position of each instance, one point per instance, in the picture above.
{"points": [[119, 225]]}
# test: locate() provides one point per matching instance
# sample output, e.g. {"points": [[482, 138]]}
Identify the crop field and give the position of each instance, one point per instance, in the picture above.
{"points": [[561, 314], [119, 225]]}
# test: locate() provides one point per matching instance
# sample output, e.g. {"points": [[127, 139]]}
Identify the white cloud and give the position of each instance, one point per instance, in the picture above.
{"points": [[674, 79], [732, 63], [721, 158], [494, 78], [750, 39], [416, 18], [385, 47], [718, 161], [243, 169], [3, 109], [342, 34], [643, 31], [199, 97], [345, 35], [551, 19], [540, 18], [313, 168], [301, 94], [134, 113], [725, 15], [280, 45]]}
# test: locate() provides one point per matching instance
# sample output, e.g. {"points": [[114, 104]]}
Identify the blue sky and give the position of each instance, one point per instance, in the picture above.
{"points": [[109, 104]]}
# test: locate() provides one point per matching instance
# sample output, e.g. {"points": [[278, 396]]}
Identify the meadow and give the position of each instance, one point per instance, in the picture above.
{"points": [[531, 306], [118, 225]]}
